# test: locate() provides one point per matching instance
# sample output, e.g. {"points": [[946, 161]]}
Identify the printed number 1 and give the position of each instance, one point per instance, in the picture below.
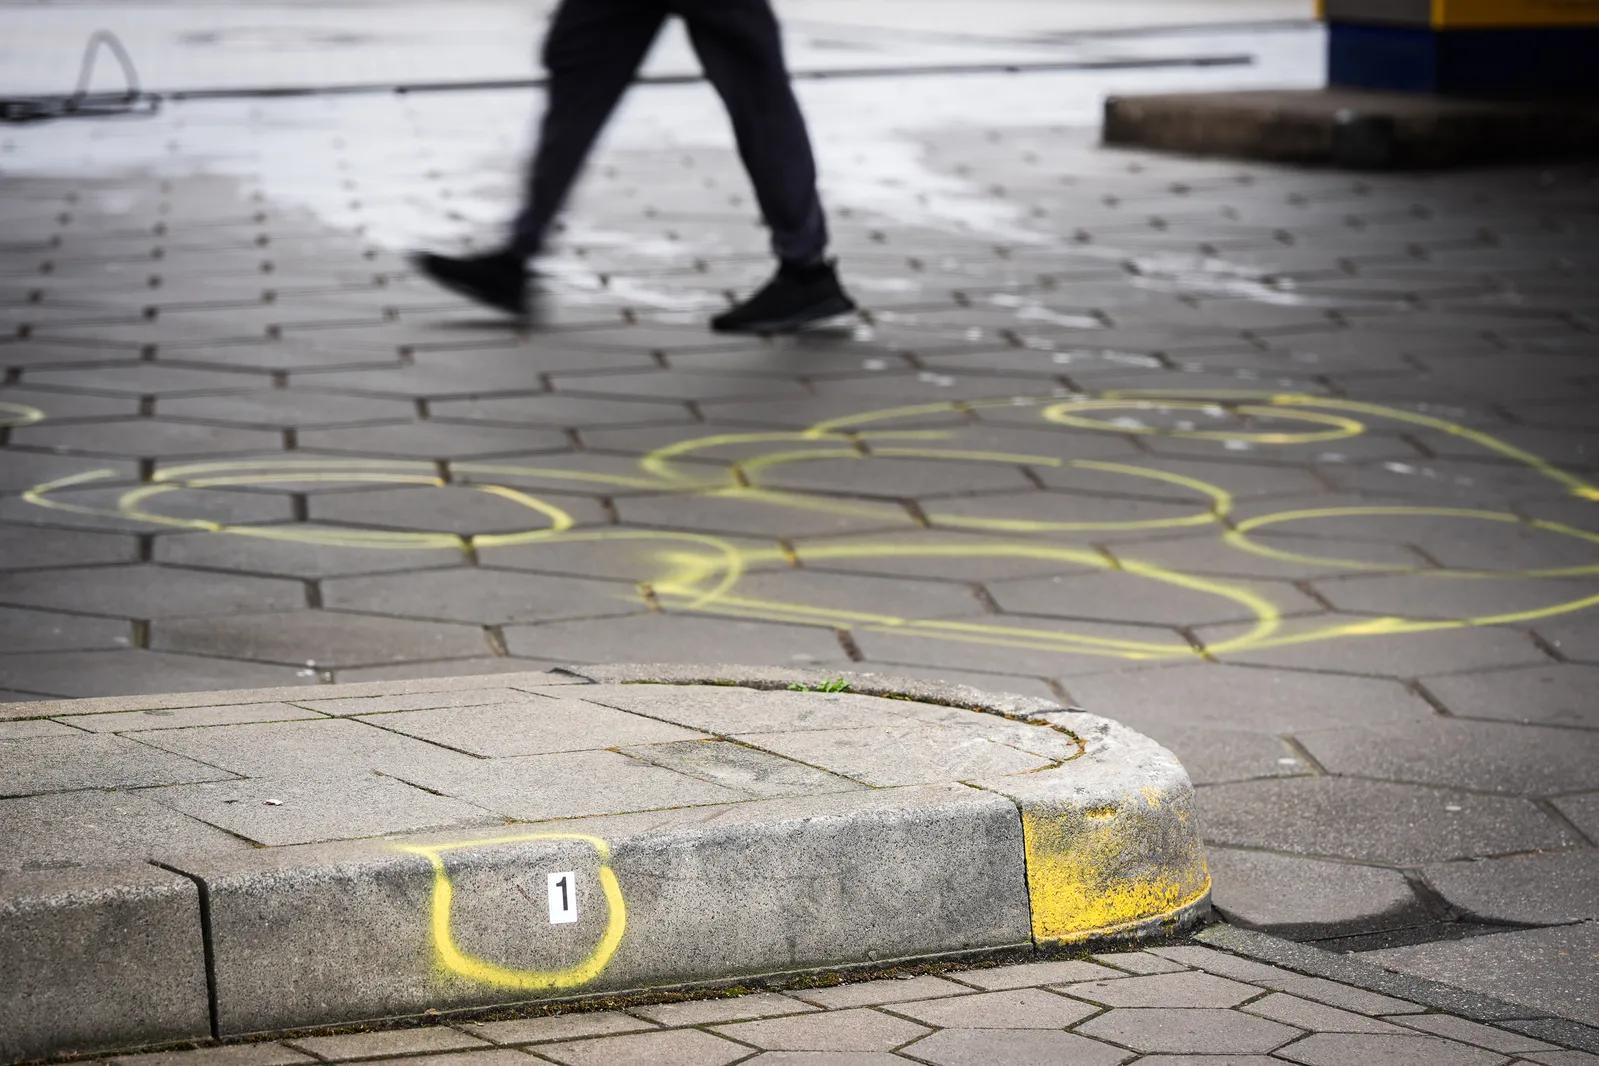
{"points": [[563, 898]]}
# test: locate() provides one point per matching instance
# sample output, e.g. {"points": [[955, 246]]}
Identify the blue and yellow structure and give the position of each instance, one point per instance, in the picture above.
{"points": [[1522, 48]]}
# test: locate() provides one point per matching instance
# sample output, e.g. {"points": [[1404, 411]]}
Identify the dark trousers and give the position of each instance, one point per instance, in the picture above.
{"points": [[594, 49]]}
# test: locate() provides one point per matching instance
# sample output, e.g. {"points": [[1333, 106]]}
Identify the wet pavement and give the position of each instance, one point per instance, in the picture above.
{"points": [[1295, 471]]}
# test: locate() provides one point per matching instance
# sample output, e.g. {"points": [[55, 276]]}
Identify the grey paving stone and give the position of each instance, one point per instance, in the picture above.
{"points": [[187, 717], [452, 508], [1488, 756], [1023, 1008], [1582, 811], [1115, 597], [1469, 1032], [263, 555], [47, 630], [148, 438], [1552, 695], [901, 754], [317, 638], [287, 749], [1549, 969], [1236, 698], [1550, 888], [1164, 990], [672, 638], [286, 407], [1225, 963], [1337, 1049], [1139, 962], [482, 693], [557, 1027], [743, 769], [387, 1043], [1318, 1017], [486, 597], [54, 764], [304, 809], [1215, 756], [732, 710], [679, 1047], [1292, 895], [78, 940], [1344, 996], [42, 727], [1394, 655], [730, 1009], [266, 1054], [873, 993], [99, 828], [535, 787], [840, 1030], [1376, 821], [440, 668], [969, 1047], [106, 673], [1200, 1030], [22, 547], [432, 440], [826, 1058], [534, 725], [1026, 974], [144, 591]]}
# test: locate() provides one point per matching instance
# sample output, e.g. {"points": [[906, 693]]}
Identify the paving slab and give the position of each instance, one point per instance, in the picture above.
{"points": [[407, 853]]}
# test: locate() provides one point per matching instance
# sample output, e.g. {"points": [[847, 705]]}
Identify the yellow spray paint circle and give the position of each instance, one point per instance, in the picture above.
{"points": [[456, 961], [13, 415], [1240, 537], [1337, 426]]}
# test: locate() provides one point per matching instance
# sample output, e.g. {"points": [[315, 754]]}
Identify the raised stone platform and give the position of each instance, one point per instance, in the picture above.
{"points": [[215, 864], [1354, 128]]}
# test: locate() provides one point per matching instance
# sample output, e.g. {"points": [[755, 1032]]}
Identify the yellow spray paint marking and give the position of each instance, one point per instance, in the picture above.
{"points": [[452, 958], [1065, 414], [1091, 872], [13, 415], [702, 572]]}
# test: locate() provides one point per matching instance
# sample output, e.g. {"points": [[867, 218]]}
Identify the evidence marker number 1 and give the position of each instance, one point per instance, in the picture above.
{"points": [[563, 897]]}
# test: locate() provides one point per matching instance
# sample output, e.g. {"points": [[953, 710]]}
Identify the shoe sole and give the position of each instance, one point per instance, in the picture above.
{"points": [[829, 308], [477, 297]]}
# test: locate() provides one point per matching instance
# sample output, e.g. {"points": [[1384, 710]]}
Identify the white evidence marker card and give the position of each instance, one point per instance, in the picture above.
{"points": [[563, 898]]}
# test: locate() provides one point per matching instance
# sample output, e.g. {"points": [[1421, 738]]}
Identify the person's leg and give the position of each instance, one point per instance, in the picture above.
{"points": [[592, 52], [740, 46]]}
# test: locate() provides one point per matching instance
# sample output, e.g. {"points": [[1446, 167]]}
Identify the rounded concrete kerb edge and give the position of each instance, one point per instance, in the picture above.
{"points": [[1112, 844]]}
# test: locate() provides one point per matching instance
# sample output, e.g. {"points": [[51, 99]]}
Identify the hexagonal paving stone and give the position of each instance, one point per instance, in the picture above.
{"points": [[317, 638], [144, 437], [286, 407], [1560, 694], [682, 385], [1489, 756], [1399, 655], [33, 631], [123, 672], [1240, 698], [22, 547], [571, 412], [1338, 1049], [1295, 896], [673, 638], [1164, 990], [880, 475], [1398, 824], [152, 379], [149, 591], [1550, 888], [450, 509], [483, 596], [1082, 515], [433, 440], [23, 470], [293, 558], [1194, 1030], [977, 1047], [839, 1030], [1432, 596], [1119, 596], [750, 513]]}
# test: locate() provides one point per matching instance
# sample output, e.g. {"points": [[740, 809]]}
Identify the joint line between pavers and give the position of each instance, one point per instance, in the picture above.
{"points": [[207, 950]]}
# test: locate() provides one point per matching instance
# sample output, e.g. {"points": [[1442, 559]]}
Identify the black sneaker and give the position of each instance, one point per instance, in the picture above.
{"points": [[498, 279], [792, 299]]}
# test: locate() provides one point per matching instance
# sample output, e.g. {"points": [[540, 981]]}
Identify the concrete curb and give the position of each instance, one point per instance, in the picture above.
{"points": [[1094, 841]]}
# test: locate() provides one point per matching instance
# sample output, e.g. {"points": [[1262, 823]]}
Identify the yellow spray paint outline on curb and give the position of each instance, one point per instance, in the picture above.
{"points": [[454, 960], [695, 581]]}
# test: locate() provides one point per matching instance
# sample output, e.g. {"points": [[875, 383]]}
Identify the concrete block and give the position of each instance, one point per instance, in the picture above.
{"points": [[1112, 839], [363, 930], [99, 959]]}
